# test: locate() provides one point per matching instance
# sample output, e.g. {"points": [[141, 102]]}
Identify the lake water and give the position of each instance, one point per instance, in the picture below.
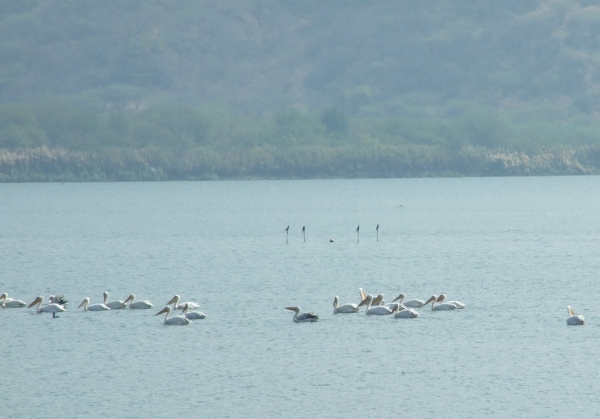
{"points": [[517, 251]]}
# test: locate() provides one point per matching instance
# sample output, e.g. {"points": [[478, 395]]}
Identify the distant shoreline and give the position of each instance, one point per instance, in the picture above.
{"points": [[312, 162]]}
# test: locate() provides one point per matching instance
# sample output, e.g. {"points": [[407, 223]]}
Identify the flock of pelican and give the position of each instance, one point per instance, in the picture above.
{"points": [[57, 304], [401, 309], [376, 306]]}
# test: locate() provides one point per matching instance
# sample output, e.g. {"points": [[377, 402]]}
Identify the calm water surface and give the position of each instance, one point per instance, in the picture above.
{"points": [[517, 251]]}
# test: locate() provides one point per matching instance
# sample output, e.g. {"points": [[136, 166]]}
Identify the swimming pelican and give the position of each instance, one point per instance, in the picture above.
{"points": [[177, 306], [113, 305], [94, 307], [346, 308], [439, 307], [405, 313], [138, 304], [10, 303], [574, 319], [303, 317], [48, 308], [409, 303], [377, 310], [173, 321], [192, 315], [457, 304]]}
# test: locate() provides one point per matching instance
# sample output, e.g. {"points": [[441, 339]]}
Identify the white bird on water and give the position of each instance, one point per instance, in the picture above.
{"points": [[377, 310], [192, 315], [409, 303], [48, 308], [457, 304], [181, 306], [405, 313], [6, 302], [138, 305], [113, 305], [175, 320], [439, 307], [303, 317], [574, 319], [94, 307], [346, 308]]}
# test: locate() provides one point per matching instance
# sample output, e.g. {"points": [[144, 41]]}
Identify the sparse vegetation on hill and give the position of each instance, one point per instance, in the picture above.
{"points": [[171, 89]]}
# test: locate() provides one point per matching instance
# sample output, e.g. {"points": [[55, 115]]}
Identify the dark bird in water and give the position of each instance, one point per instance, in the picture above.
{"points": [[358, 228], [303, 317], [287, 229], [304, 232], [58, 299], [357, 233], [377, 229]]}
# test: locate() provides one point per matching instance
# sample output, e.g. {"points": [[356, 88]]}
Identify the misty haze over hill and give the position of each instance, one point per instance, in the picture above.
{"points": [[365, 57], [305, 88]]}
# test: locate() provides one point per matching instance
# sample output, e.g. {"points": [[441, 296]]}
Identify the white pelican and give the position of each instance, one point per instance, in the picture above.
{"points": [[10, 303], [303, 317], [457, 304], [409, 303], [439, 307], [377, 310], [346, 308], [113, 305], [138, 304], [175, 320], [94, 307], [192, 315], [574, 319], [177, 306], [405, 313], [48, 308]]}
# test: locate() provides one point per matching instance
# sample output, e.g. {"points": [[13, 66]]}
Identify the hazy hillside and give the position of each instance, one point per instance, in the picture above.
{"points": [[376, 57], [298, 88]]}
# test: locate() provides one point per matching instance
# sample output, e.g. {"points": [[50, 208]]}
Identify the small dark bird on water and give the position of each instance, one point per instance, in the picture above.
{"points": [[304, 232], [287, 230], [377, 229], [357, 233]]}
